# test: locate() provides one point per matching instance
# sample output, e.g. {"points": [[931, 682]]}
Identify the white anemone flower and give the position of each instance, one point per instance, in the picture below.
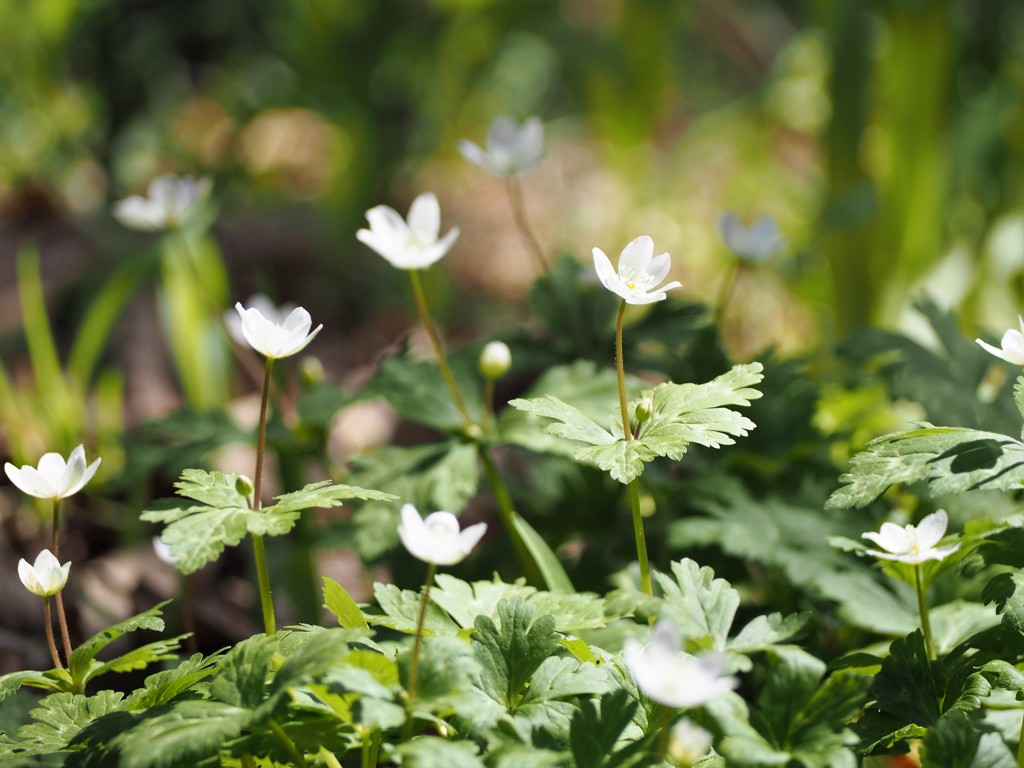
{"points": [[511, 148], [278, 335], [1011, 347], [639, 274], [170, 201], [912, 544], [755, 243], [410, 243], [437, 539], [267, 308], [53, 478], [46, 576], [666, 674]]}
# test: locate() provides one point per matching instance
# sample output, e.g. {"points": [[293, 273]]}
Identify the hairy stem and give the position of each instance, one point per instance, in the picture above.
{"points": [[435, 342], [515, 194], [48, 624], [287, 743], [922, 607], [62, 618], [266, 599]]}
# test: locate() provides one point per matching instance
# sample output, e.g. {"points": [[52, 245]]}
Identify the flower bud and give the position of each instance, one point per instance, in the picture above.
{"points": [[688, 743], [495, 360], [46, 576], [311, 370], [644, 410], [244, 486]]}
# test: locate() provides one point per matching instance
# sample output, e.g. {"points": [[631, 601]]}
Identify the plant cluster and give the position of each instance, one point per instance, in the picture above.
{"points": [[744, 623]]}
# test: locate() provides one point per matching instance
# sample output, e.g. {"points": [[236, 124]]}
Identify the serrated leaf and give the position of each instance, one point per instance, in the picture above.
{"points": [[951, 460], [434, 752], [340, 603], [138, 658], [624, 459], [400, 610], [164, 687], [951, 743], [767, 630], [242, 675], [187, 734], [82, 657], [570, 422], [1006, 590], [60, 716], [11, 682], [596, 728], [324, 494], [702, 606], [906, 687], [509, 656], [417, 392]]}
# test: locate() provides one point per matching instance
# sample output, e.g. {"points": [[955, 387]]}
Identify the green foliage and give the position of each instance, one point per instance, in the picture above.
{"points": [[83, 665], [340, 603], [197, 534], [597, 729], [683, 414]]}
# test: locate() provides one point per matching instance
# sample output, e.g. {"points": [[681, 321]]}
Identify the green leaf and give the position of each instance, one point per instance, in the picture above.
{"points": [[12, 681], [951, 743], [82, 657], [400, 610], [792, 677], [702, 606], [555, 577], [60, 716], [905, 687], [434, 752], [188, 733], [597, 726], [324, 494], [950, 459], [1006, 590], [570, 422], [241, 677], [416, 390], [767, 630], [164, 687], [509, 656], [623, 460], [340, 603], [138, 658]]}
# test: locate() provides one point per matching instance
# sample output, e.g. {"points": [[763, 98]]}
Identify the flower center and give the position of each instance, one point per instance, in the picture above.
{"points": [[635, 280]]}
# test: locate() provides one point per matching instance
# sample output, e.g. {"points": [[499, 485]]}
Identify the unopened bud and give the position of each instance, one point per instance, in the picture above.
{"points": [[311, 370], [688, 743], [244, 486], [495, 360], [644, 410], [473, 432]]}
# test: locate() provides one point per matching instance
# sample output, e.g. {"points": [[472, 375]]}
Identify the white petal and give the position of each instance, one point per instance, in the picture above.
{"points": [[659, 267], [931, 529], [52, 466], [606, 272], [425, 217], [470, 537], [637, 254], [139, 213], [31, 482], [25, 574], [530, 146], [502, 135], [385, 221], [477, 156]]}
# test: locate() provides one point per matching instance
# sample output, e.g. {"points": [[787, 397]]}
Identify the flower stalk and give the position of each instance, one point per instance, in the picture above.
{"points": [[417, 645], [634, 486], [259, 551], [289, 746], [922, 607], [48, 623], [515, 194], [62, 620]]}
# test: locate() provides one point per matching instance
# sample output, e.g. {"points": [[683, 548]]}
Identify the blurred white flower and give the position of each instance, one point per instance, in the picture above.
{"points": [[669, 676], [639, 273], [511, 148], [756, 243], [46, 576], [688, 743], [495, 359], [276, 336], [258, 301], [163, 551], [1011, 347], [412, 243], [437, 539], [912, 544], [53, 478], [171, 200]]}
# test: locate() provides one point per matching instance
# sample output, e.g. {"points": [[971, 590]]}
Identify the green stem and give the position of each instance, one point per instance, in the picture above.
{"points": [[922, 607], [371, 749], [247, 761], [418, 642], [329, 758], [288, 744], [507, 513], [515, 193], [728, 287], [663, 737], [48, 623], [620, 369], [62, 619], [488, 415], [435, 342], [634, 486], [266, 599]]}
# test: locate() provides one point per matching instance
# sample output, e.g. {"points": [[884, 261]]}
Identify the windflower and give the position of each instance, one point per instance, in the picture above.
{"points": [[53, 478], [912, 544], [511, 148], [170, 202], [278, 335], [495, 359], [688, 743], [258, 301], [437, 539], [46, 576], [1011, 347], [754, 244], [667, 675], [639, 274], [408, 243]]}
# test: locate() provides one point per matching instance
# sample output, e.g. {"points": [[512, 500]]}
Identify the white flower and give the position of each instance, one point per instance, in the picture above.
{"points": [[511, 148], [267, 308], [170, 202], [667, 675], [54, 478], [46, 576], [912, 544], [412, 243], [495, 359], [437, 539], [276, 336], [688, 743], [163, 551], [756, 243], [1011, 347], [640, 272]]}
